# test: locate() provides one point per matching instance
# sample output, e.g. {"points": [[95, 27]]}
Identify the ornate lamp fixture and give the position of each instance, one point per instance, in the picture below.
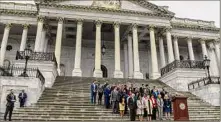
{"points": [[206, 64], [27, 53]]}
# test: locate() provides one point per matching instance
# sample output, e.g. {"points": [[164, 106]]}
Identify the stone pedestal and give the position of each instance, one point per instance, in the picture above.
{"points": [[98, 74], [138, 75], [118, 74], [77, 72]]}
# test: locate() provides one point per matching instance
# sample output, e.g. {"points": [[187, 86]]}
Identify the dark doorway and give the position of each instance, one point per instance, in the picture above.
{"points": [[104, 71]]}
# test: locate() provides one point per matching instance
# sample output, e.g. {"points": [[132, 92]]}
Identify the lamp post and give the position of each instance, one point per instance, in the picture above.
{"points": [[206, 63], [27, 54]]}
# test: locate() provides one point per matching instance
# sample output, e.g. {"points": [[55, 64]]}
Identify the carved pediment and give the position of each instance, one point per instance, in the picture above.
{"points": [[128, 5]]}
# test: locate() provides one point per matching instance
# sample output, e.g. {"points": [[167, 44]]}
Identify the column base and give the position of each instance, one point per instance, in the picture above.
{"points": [[77, 72], [155, 75], [118, 74], [98, 74], [59, 72], [138, 75]]}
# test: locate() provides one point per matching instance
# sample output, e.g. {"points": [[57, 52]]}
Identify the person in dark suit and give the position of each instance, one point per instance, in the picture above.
{"points": [[114, 99], [93, 92], [107, 94], [132, 107], [11, 98], [22, 98]]}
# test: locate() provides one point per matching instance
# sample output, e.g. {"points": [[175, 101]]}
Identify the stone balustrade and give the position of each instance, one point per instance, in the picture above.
{"points": [[188, 21], [18, 6]]}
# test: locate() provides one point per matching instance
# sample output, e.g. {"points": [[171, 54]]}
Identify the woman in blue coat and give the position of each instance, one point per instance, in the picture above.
{"points": [[167, 107]]}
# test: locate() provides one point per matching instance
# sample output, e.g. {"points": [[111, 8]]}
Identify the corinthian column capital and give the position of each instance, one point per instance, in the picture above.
{"points": [[167, 29], [98, 22], [25, 26], [152, 27], [60, 19], [8, 25], [134, 25], [116, 24], [41, 19], [80, 21]]}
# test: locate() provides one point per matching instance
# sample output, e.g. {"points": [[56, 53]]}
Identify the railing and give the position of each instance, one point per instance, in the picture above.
{"points": [[203, 82], [182, 64], [36, 56], [13, 71]]}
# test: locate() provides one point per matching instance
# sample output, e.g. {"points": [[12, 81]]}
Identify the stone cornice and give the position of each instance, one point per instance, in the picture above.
{"points": [[93, 8], [194, 27], [18, 12]]}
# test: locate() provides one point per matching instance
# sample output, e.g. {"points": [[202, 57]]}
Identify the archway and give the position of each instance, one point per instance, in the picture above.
{"points": [[104, 71]]}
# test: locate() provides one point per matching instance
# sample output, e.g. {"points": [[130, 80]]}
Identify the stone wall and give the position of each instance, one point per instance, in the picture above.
{"points": [[209, 93], [32, 86], [180, 78]]}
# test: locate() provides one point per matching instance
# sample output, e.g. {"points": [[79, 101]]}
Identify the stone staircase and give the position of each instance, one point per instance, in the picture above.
{"points": [[69, 100]]}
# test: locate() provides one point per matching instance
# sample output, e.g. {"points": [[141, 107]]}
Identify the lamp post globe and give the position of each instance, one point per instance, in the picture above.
{"points": [[103, 49]]}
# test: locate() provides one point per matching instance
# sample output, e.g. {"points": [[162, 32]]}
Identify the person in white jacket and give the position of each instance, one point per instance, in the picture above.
{"points": [[140, 107]]}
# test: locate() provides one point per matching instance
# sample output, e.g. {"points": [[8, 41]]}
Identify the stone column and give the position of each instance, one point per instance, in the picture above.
{"points": [[117, 73], [126, 61], [77, 63], [176, 48], [130, 56], [24, 37], [214, 65], [190, 48], [46, 44], [154, 70], [4, 43], [42, 42], [97, 70], [58, 44], [169, 45], [217, 49], [38, 35], [162, 53], [137, 73], [204, 50]]}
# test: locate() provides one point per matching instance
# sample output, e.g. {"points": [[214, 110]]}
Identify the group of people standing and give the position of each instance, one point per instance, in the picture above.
{"points": [[141, 102]]}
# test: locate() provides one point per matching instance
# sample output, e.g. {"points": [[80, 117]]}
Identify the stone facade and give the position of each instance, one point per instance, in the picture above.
{"points": [[140, 39]]}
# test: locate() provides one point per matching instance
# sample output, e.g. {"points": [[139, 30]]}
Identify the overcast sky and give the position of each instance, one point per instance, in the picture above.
{"points": [[203, 10]]}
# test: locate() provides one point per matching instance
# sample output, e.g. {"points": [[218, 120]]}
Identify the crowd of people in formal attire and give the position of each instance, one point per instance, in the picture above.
{"points": [[136, 101], [10, 103]]}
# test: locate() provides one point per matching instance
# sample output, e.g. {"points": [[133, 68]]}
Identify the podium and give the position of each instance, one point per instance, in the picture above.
{"points": [[180, 108]]}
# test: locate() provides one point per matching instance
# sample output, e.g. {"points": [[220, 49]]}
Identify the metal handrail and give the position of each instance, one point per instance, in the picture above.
{"points": [[14, 71], [182, 64], [203, 82]]}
